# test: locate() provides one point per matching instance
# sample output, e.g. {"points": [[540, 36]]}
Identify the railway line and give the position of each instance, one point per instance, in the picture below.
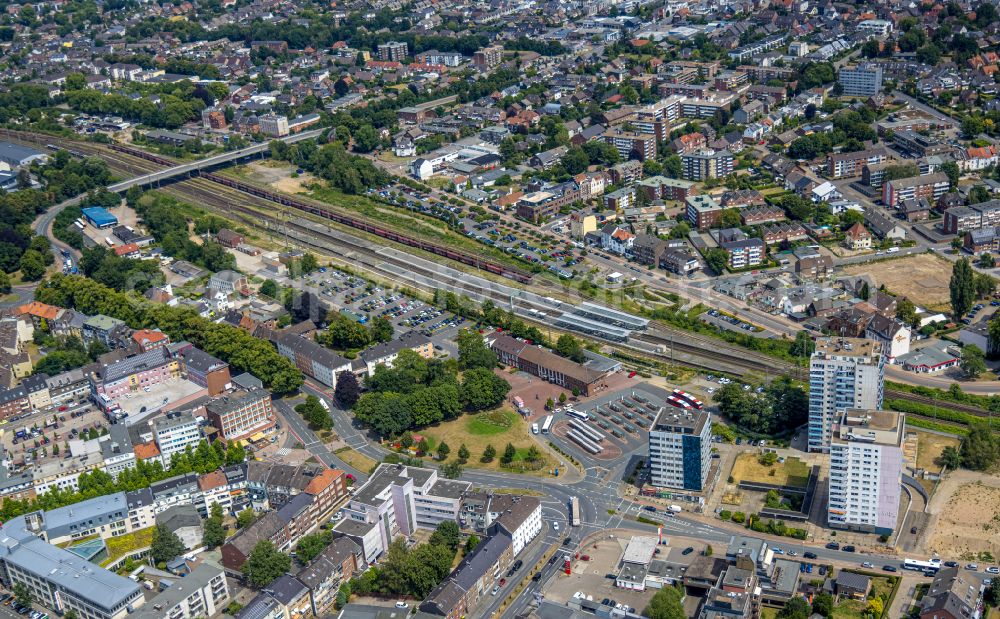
{"points": [[255, 205]]}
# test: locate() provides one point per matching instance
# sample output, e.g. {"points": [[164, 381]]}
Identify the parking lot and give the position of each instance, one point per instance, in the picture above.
{"points": [[32, 440], [365, 301]]}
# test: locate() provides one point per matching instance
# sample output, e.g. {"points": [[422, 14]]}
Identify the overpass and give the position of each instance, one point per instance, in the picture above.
{"points": [[208, 162]]}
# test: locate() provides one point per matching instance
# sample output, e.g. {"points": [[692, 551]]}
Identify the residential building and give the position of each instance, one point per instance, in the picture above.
{"points": [[866, 467], [953, 594], [242, 414], [743, 252], [386, 353], [663, 188], [702, 211], [488, 58], [930, 187], [857, 237], [313, 360], [203, 369], [174, 433], [862, 80], [632, 145], [473, 579], [393, 51], [396, 500], [961, 219], [680, 449], [705, 164], [845, 165], [185, 522], [137, 372], [203, 592], [843, 373], [229, 282], [335, 565]]}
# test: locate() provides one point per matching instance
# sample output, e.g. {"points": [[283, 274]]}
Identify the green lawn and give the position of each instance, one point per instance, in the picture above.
{"points": [[792, 472], [492, 423]]}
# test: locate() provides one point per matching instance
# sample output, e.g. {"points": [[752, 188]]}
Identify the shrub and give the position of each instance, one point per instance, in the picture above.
{"points": [[725, 514], [739, 517]]}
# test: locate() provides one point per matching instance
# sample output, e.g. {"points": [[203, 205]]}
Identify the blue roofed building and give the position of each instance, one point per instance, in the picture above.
{"points": [[99, 217]]}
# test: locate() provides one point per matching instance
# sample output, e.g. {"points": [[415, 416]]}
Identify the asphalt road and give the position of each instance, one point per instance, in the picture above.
{"points": [[602, 507]]}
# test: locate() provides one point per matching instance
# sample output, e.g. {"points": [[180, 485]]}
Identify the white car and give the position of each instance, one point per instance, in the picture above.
{"points": [[867, 564], [496, 590], [993, 570], [555, 526], [402, 605]]}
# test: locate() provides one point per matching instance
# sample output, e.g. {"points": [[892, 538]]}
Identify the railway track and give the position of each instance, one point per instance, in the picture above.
{"points": [[235, 197]]}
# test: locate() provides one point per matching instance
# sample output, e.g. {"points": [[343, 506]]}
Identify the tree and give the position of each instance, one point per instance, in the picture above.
{"points": [[666, 604], [446, 534], [986, 261], [865, 292], [166, 545], [979, 194], [803, 346], [245, 518], [973, 362], [951, 170], [797, 608], [366, 139], [950, 457], [473, 352], [463, 453], [482, 389], [22, 594], [214, 534], [381, 330], [717, 259], [452, 470], [471, 543], [348, 390], [488, 454], [235, 453], [311, 545], [443, 450], [313, 411], [569, 346], [823, 604], [992, 594], [509, 453], [981, 448], [5, 285], [265, 564], [269, 288], [961, 288], [906, 311], [875, 606], [32, 265]]}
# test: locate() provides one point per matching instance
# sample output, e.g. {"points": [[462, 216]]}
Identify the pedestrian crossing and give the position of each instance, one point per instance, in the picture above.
{"points": [[284, 451]]}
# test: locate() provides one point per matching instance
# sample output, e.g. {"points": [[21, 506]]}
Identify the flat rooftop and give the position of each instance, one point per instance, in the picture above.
{"points": [[156, 398], [847, 347]]}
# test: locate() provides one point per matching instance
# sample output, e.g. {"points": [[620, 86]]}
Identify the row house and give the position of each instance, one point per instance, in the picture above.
{"points": [[309, 357], [782, 232]]}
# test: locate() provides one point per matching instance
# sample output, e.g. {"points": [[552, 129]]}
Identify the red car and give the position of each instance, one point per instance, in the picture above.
{"points": [[503, 581], [585, 557], [631, 374], [62, 408]]}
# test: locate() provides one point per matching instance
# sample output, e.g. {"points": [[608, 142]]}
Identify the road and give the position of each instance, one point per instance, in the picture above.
{"points": [[603, 507]]}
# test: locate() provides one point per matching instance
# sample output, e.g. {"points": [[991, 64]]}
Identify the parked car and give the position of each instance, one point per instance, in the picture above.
{"points": [[496, 590], [809, 555], [688, 551], [889, 568], [833, 546]]}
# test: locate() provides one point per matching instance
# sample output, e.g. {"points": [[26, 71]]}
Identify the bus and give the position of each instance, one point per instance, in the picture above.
{"points": [[108, 240], [574, 511], [931, 566], [79, 226], [690, 399], [673, 400], [323, 403], [572, 412], [547, 425]]}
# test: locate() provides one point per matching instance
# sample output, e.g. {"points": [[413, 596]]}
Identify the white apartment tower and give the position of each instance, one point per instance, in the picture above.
{"points": [[866, 467], [843, 373]]}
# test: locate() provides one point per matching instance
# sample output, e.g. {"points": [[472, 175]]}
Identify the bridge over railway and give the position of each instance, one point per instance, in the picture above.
{"points": [[183, 169]]}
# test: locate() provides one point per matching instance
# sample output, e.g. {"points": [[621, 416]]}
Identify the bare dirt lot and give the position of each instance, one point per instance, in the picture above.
{"points": [[929, 448], [968, 516], [923, 278], [278, 176]]}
